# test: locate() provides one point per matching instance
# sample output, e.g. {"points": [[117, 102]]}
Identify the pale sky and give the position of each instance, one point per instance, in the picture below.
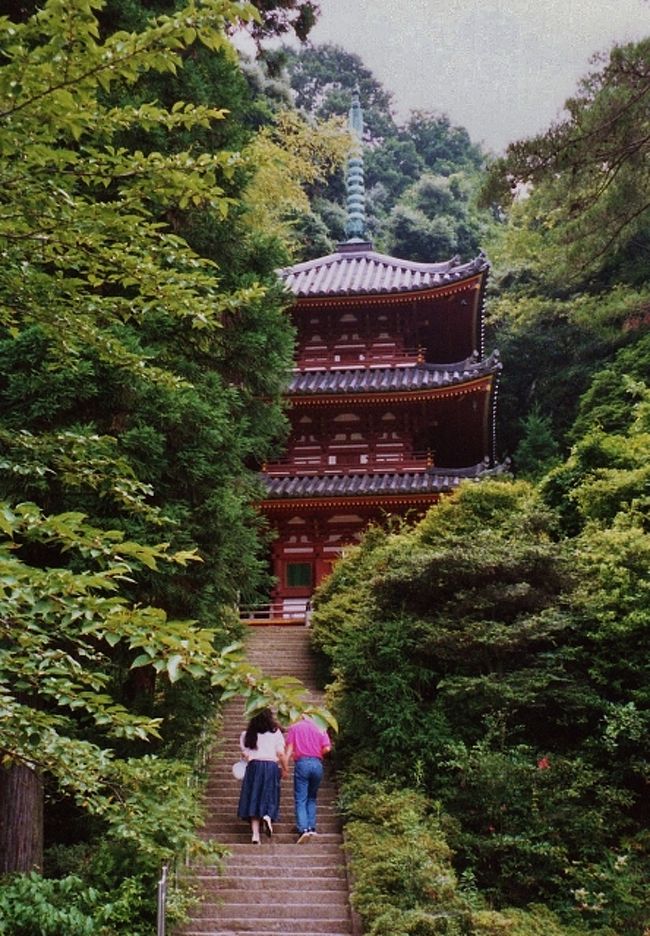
{"points": [[500, 68]]}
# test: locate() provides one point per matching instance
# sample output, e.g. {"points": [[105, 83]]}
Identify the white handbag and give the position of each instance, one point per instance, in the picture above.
{"points": [[239, 769]]}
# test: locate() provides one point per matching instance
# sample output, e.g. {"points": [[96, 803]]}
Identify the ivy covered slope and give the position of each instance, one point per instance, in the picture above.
{"points": [[143, 347]]}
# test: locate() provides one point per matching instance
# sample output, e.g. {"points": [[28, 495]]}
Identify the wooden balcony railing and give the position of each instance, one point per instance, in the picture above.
{"points": [[348, 463], [332, 358], [287, 611]]}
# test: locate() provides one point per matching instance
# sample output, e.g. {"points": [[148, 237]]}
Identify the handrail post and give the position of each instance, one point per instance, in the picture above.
{"points": [[162, 902]]}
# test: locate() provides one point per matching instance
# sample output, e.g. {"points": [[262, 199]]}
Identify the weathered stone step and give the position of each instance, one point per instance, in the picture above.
{"points": [[265, 932], [279, 838], [229, 821], [312, 849], [248, 923], [267, 879], [327, 900]]}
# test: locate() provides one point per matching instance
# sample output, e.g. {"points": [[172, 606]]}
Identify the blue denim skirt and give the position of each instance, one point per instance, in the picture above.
{"points": [[260, 791]]}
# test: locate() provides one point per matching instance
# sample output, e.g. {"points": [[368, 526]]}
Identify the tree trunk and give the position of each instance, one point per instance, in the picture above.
{"points": [[21, 819]]}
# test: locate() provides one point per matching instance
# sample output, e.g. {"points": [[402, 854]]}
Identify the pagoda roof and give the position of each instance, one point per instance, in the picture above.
{"points": [[431, 481], [357, 270], [398, 378]]}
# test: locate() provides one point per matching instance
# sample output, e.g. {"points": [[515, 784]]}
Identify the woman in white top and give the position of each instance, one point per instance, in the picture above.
{"points": [[262, 745]]}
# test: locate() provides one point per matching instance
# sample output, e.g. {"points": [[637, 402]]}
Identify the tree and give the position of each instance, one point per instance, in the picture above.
{"points": [[323, 78], [434, 219], [587, 176], [443, 148], [500, 668], [538, 449], [119, 315]]}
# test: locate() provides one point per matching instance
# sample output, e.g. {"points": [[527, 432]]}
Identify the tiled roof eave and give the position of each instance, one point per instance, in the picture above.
{"points": [[397, 379], [389, 484], [370, 275]]}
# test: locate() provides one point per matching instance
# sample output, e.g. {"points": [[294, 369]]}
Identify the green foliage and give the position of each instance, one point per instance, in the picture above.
{"points": [[538, 449], [519, 698], [403, 880], [419, 176], [605, 478], [608, 403], [550, 352], [400, 863], [588, 173], [68, 906], [31, 904]]}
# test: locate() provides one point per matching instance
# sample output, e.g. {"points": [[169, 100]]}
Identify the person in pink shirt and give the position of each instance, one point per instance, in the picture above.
{"points": [[306, 743]]}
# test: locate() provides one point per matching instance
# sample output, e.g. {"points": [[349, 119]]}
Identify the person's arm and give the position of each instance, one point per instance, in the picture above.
{"points": [[284, 764], [283, 758]]}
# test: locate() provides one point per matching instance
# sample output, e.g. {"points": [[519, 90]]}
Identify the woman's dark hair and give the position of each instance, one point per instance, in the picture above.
{"points": [[260, 723]]}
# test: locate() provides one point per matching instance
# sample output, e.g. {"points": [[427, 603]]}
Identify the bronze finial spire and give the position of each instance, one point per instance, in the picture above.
{"points": [[355, 226]]}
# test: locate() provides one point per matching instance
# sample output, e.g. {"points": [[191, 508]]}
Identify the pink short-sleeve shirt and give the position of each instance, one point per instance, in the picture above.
{"points": [[307, 739]]}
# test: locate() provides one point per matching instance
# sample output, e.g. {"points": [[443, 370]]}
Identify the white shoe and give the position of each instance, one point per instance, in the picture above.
{"points": [[304, 837], [267, 825]]}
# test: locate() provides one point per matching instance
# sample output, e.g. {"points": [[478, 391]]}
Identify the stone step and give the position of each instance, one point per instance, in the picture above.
{"points": [[267, 880], [262, 861], [259, 932], [311, 850], [326, 902], [229, 821], [279, 838], [254, 924]]}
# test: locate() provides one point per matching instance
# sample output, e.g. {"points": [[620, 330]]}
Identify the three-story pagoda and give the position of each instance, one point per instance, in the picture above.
{"points": [[392, 399]]}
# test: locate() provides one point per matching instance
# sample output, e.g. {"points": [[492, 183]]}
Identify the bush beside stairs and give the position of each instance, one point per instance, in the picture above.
{"points": [[278, 887]]}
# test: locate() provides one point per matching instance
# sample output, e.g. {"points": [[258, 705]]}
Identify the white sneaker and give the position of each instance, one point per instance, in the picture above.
{"points": [[304, 837], [267, 825]]}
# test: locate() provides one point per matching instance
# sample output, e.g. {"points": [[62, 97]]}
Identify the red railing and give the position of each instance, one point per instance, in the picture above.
{"points": [[289, 610], [332, 358], [349, 463]]}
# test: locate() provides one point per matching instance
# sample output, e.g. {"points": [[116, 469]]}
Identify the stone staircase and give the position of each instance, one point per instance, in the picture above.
{"points": [[277, 887]]}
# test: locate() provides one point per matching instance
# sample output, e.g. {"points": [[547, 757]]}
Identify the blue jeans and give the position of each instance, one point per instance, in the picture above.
{"points": [[307, 775]]}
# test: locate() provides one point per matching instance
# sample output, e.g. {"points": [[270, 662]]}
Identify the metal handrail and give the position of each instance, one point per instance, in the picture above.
{"points": [[161, 913], [198, 772]]}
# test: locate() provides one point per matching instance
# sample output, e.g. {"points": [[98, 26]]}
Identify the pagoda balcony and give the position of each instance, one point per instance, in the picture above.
{"points": [[339, 358], [349, 464]]}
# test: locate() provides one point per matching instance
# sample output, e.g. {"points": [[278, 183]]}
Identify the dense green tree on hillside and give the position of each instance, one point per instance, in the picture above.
{"points": [[503, 671], [572, 262], [589, 202], [403, 163], [434, 219], [323, 78], [141, 381]]}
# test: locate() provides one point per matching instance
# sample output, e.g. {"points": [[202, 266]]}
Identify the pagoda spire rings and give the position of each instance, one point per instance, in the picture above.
{"points": [[355, 226]]}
